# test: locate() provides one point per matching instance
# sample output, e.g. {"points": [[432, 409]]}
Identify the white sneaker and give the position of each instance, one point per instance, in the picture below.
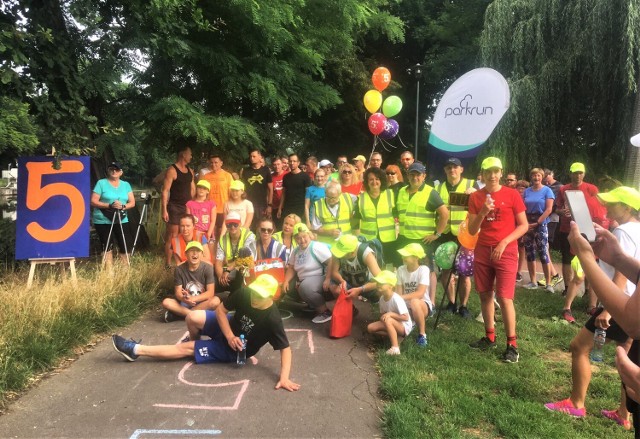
{"points": [[550, 289], [394, 350], [531, 286]]}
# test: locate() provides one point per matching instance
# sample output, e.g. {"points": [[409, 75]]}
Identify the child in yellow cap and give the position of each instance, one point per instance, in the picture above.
{"points": [[395, 319], [204, 211]]}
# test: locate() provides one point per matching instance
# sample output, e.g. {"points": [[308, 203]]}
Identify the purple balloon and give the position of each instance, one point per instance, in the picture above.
{"points": [[464, 262], [391, 129]]}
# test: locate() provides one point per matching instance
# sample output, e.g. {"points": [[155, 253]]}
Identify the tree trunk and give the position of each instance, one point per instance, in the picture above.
{"points": [[632, 173]]}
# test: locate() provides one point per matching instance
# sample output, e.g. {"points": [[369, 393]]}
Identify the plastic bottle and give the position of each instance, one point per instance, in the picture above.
{"points": [[242, 354], [599, 337], [491, 216]]}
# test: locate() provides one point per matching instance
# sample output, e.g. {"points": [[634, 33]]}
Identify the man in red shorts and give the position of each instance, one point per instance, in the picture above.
{"points": [[499, 213]]}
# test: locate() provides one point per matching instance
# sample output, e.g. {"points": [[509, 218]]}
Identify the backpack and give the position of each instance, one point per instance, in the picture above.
{"points": [[374, 245]]}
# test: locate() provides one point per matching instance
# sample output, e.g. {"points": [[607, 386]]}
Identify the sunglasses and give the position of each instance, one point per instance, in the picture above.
{"points": [[346, 172], [265, 230], [341, 162], [391, 173], [232, 225]]}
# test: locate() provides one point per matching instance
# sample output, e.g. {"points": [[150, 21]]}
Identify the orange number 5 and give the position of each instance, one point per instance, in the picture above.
{"points": [[37, 195]]}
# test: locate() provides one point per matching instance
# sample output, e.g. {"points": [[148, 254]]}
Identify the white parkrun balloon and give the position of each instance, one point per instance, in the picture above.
{"points": [[635, 140]]}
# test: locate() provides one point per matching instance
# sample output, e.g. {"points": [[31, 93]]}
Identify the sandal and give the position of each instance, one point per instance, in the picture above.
{"points": [[615, 416]]}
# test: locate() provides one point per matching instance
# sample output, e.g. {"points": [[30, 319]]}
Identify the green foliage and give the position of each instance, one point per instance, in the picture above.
{"points": [[17, 131], [572, 95]]}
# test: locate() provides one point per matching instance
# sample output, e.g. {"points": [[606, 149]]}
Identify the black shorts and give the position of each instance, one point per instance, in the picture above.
{"points": [[614, 331], [562, 241], [175, 211], [116, 235]]}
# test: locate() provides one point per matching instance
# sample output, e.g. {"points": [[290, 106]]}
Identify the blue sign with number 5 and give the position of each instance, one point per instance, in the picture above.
{"points": [[53, 208]]}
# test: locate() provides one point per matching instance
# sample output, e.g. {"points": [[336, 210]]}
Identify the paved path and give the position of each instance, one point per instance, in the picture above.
{"points": [[102, 395]]}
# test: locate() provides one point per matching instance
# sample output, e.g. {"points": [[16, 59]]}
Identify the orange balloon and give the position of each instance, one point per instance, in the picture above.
{"points": [[381, 78], [465, 238]]}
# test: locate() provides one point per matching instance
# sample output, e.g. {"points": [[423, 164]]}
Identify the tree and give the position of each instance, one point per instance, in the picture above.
{"points": [[572, 68], [17, 131]]}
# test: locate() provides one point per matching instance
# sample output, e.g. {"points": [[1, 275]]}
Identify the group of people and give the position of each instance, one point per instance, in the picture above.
{"points": [[372, 231]]}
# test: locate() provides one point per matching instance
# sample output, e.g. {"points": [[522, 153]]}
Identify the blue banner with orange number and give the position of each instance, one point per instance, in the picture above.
{"points": [[53, 208]]}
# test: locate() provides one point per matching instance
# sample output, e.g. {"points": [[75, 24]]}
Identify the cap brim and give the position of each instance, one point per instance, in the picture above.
{"points": [[337, 253]]}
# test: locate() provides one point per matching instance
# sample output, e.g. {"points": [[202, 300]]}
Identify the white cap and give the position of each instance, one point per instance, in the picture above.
{"points": [[324, 163]]}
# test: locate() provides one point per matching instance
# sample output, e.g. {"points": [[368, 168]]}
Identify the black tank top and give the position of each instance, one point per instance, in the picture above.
{"points": [[180, 191]]}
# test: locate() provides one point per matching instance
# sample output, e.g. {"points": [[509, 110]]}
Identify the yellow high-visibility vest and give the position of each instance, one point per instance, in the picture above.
{"points": [[377, 220], [457, 214], [341, 221], [415, 221]]}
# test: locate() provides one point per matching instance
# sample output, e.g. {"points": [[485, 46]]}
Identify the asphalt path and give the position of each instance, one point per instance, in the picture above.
{"points": [[103, 395]]}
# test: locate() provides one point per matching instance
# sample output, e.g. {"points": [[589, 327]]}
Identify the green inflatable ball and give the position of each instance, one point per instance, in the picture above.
{"points": [[445, 255]]}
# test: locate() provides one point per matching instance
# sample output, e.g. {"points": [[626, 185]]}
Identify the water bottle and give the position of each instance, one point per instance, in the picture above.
{"points": [[242, 354], [599, 337], [491, 216]]}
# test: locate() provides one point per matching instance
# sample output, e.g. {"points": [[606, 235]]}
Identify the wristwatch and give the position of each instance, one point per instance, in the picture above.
{"points": [[438, 234]]}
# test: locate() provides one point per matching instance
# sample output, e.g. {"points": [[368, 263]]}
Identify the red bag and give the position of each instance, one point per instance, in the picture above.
{"points": [[342, 317]]}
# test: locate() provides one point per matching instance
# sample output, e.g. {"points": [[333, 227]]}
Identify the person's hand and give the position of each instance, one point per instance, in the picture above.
{"points": [[384, 317], [566, 212], [224, 279], [116, 205], [629, 373], [606, 246], [533, 226], [235, 343], [470, 190], [336, 233], [165, 216], [487, 207], [579, 244], [429, 239], [279, 213], [287, 385], [326, 283], [285, 287], [267, 212], [352, 293], [602, 321], [496, 254]]}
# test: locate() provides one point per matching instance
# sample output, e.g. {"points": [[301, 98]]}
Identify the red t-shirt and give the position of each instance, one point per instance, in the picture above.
{"points": [[353, 189], [598, 211], [499, 223], [277, 189]]}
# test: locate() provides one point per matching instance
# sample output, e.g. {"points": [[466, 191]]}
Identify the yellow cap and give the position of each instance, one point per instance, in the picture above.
{"points": [[193, 244], [413, 249], [622, 194], [204, 184], [265, 286], [491, 162], [346, 244], [577, 167], [299, 228], [360, 157], [237, 185], [386, 277]]}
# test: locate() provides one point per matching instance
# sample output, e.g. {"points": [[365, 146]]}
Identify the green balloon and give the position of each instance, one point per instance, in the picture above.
{"points": [[445, 255], [391, 106]]}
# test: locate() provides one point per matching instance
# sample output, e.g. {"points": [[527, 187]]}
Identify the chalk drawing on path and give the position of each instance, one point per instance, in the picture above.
{"points": [[243, 384], [136, 434]]}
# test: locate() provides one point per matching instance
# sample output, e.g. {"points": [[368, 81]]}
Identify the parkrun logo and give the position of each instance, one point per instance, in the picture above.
{"points": [[465, 109]]}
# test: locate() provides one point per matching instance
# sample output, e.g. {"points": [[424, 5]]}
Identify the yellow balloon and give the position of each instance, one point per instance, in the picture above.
{"points": [[372, 101]]}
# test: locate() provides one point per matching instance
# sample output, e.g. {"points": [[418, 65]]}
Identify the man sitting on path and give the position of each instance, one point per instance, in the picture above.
{"points": [[194, 285], [256, 318]]}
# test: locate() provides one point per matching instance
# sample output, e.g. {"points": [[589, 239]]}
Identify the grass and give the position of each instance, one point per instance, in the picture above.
{"points": [[42, 325], [451, 391]]}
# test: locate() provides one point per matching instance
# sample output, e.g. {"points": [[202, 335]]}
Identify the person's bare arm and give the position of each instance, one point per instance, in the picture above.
{"points": [[169, 178], [285, 369]]}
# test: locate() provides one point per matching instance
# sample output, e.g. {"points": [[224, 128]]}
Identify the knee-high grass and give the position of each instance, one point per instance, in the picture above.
{"points": [[40, 325]]}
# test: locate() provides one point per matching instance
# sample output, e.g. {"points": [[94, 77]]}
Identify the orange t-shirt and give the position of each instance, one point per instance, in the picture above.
{"points": [[220, 182]]}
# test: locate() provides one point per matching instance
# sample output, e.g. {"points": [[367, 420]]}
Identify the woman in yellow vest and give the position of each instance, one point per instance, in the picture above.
{"points": [[374, 212]]}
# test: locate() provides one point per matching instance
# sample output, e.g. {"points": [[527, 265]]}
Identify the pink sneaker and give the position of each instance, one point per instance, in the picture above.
{"points": [[567, 407], [615, 416]]}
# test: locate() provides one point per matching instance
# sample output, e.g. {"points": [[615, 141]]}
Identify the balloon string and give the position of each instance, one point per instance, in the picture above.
{"points": [[373, 149], [388, 144], [401, 142]]}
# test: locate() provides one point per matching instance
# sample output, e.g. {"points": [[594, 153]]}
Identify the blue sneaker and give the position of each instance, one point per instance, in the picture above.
{"points": [[421, 340], [124, 347]]}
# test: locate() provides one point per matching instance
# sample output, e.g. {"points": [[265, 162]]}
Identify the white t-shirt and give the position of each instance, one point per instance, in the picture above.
{"points": [[396, 304], [305, 264], [628, 235], [243, 208], [411, 281]]}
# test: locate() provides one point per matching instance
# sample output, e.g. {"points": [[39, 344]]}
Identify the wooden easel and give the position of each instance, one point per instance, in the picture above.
{"points": [[52, 261]]}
